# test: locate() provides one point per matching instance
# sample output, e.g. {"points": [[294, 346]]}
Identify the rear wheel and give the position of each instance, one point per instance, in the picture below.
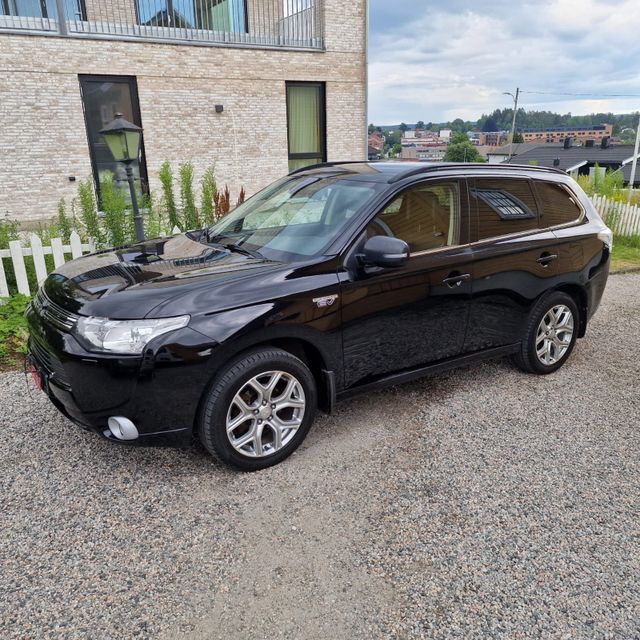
{"points": [[259, 409], [550, 335]]}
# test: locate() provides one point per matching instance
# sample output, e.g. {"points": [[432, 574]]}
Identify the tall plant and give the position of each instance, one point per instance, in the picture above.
{"points": [[64, 224], [114, 205], [209, 194], [189, 210], [166, 180], [88, 209]]}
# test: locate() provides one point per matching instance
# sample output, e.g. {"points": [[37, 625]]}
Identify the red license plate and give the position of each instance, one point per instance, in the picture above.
{"points": [[36, 375]]}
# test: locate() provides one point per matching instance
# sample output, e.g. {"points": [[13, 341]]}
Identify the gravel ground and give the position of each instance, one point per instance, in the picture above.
{"points": [[482, 503]]}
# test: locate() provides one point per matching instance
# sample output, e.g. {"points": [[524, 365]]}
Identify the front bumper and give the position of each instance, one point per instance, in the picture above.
{"points": [[159, 391]]}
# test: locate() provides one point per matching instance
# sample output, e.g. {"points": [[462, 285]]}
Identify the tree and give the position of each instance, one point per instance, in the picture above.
{"points": [[462, 150], [403, 127], [489, 125], [517, 137], [420, 124], [396, 150], [372, 128], [459, 137]]}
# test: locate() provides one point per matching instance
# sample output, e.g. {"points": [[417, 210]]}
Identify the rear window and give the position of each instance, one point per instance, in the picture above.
{"points": [[558, 206], [504, 206]]}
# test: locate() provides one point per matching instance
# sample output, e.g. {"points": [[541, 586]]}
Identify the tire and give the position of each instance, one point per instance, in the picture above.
{"points": [[558, 313], [271, 397]]}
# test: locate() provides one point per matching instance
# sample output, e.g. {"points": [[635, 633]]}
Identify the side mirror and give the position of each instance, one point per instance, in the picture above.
{"points": [[383, 251]]}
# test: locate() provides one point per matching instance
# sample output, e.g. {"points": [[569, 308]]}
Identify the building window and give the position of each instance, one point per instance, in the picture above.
{"points": [[291, 7], [74, 9], [210, 15], [102, 98], [306, 124]]}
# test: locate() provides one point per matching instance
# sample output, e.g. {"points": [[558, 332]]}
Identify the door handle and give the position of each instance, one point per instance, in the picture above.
{"points": [[456, 280], [546, 258]]}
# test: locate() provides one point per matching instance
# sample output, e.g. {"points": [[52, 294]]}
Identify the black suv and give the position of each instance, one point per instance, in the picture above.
{"points": [[338, 279]]}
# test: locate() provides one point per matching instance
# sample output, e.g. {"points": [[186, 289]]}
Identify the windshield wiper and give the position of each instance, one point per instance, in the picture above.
{"points": [[232, 246]]}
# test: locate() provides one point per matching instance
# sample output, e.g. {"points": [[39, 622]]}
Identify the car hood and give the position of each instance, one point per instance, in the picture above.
{"points": [[130, 282]]}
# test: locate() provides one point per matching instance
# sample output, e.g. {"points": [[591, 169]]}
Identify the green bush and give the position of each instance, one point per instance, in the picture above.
{"points": [[113, 202], [89, 210], [13, 329], [64, 224], [166, 180], [155, 223], [189, 211], [209, 196]]}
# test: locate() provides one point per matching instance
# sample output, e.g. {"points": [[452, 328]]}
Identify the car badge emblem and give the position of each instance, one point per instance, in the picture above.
{"points": [[325, 301]]}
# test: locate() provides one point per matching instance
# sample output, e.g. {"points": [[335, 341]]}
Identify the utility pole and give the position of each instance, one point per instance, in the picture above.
{"points": [[513, 122], [634, 162]]}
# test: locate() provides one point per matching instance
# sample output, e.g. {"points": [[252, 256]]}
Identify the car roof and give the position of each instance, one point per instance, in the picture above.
{"points": [[394, 171]]}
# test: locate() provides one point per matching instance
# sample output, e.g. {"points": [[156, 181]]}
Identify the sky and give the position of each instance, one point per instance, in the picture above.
{"points": [[437, 60]]}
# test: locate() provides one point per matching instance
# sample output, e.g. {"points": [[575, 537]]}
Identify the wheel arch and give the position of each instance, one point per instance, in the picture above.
{"points": [[316, 358], [579, 295]]}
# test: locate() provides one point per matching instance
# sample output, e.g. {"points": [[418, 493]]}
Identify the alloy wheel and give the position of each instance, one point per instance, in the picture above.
{"points": [[265, 414], [554, 334]]}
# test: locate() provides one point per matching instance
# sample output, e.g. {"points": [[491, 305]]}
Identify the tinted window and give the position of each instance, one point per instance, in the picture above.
{"points": [[504, 206], [558, 206], [425, 217]]}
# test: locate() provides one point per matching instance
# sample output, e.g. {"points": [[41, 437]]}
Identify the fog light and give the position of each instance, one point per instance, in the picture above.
{"points": [[122, 428]]}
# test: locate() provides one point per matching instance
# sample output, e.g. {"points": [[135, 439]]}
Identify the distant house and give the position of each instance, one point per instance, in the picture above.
{"points": [[425, 145], [581, 160], [424, 152], [551, 135], [495, 155]]}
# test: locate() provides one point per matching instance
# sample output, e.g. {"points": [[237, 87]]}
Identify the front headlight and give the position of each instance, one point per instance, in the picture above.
{"points": [[125, 336]]}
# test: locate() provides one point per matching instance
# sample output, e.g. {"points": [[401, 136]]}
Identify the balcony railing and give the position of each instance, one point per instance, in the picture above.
{"points": [[258, 23]]}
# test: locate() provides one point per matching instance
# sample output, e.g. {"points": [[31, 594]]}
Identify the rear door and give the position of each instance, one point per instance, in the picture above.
{"points": [[398, 318], [514, 259]]}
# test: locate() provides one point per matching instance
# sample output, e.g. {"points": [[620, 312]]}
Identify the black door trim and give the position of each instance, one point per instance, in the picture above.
{"points": [[422, 371]]}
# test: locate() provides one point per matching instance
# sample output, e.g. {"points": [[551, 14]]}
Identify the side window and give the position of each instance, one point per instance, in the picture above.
{"points": [[426, 216], [558, 206], [504, 206]]}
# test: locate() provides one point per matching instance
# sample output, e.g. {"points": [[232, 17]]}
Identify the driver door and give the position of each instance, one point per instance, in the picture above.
{"points": [[399, 318]]}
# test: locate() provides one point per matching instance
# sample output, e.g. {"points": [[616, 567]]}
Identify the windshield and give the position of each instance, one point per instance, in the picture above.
{"points": [[294, 218]]}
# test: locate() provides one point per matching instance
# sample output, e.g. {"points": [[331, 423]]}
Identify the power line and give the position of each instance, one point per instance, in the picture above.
{"points": [[591, 95]]}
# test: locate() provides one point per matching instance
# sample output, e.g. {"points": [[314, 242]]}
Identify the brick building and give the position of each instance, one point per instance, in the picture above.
{"points": [[558, 134], [290, 76]]}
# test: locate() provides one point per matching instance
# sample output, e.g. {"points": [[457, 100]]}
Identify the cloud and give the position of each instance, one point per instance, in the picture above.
{"points": [[440, 60]]}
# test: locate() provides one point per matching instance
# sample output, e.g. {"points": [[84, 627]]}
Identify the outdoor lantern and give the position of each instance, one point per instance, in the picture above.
{"points": [[123, 139]]}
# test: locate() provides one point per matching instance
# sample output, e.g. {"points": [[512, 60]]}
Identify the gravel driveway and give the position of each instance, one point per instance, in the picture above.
{"points": [[482, 503]]}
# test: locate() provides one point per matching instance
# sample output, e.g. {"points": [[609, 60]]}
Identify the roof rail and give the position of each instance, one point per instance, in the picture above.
{"points": [[470, 165], [331, 164]]}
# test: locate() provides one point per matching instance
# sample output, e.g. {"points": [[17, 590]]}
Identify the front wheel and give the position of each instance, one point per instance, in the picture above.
{"points": [[550, 335], [259, 409]]}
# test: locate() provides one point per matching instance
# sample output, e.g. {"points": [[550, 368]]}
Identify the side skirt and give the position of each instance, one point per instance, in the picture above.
{"points": [[413, 374]]}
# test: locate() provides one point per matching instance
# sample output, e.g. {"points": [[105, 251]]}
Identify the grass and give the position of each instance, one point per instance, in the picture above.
{"points": [[13, 331], [626, 254]]}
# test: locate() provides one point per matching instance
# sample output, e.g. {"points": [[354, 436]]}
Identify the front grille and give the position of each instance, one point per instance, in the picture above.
{"points": [[49, 362], [53, 313]]}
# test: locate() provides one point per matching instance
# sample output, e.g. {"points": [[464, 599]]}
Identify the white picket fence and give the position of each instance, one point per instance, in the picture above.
{"points": [[17, 253], [622, 218]]}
